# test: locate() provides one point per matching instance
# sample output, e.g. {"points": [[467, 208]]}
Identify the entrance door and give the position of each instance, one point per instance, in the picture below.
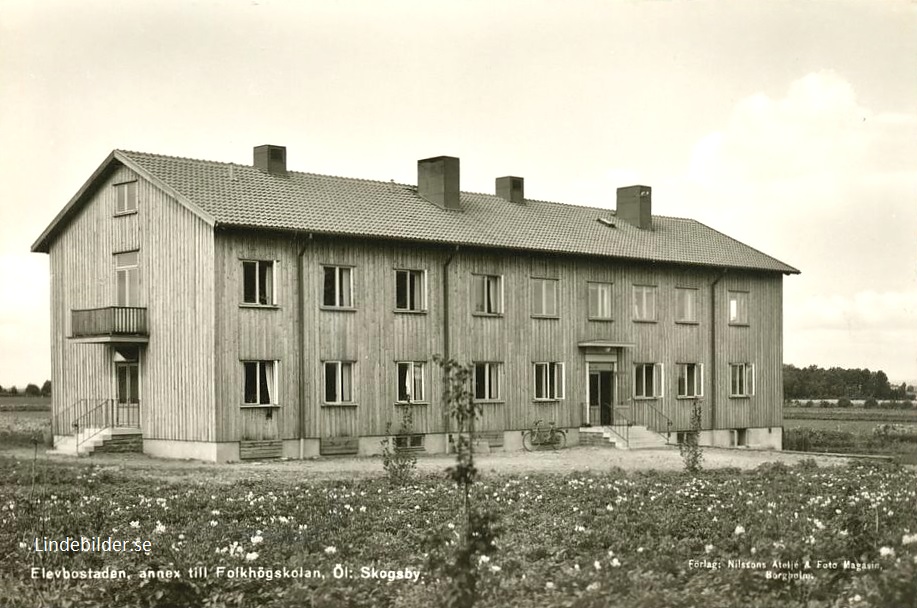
{"points": [[127, 412], [601, 393]]}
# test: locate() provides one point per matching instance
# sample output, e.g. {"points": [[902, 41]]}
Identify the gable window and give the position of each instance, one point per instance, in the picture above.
{"points": [[549, 381], [685, 305], [544, 297], [125, 197], [260, 383], [648, 380], [599, 300], [127, 278], [337, 286], [738, 307], [487, 381], [411, 381], [644, 302], [690, 380], [487, 294], [258, 284], [338, 381], [409, 290], [741, 379]]}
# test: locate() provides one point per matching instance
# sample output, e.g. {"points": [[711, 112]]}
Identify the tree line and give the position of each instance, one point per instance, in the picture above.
{"points": [[31, 390], [814, 382]]}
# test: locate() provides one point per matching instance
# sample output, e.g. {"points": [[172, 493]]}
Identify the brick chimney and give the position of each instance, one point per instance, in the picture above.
{"points": [[271, 159], [512, 189], [635, 206], [438, 181]]}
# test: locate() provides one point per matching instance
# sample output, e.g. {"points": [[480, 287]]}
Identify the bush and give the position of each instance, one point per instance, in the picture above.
{"points": [[871, 402], [399, 461], [844, 402]]}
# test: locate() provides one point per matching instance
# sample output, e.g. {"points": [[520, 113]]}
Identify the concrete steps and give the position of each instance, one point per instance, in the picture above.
{"points": [[91, 440], [638, 438]]}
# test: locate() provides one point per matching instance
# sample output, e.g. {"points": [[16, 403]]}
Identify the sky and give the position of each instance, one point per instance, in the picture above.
{"points": [[791, 126]]}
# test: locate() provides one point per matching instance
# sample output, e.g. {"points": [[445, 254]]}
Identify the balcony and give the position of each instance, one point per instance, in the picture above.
{"points": [[119, 324]]}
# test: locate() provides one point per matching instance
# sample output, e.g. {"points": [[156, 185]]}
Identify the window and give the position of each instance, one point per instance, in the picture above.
{"points": [[690, 380], [549, 381], [258, 284], [338, 286], [685, 305], [409, 290], [127, 278], [741, 379], [408, 442], [260, 383], [125, 197], [648, 380], [338, 382], [544, 297], [411, 381], [599, 300], [488, 294], [644, 302], [738, 307], [487, 381]]}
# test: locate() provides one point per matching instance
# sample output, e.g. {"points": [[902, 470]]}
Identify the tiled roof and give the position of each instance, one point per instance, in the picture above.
{"points": [[240, 195]]}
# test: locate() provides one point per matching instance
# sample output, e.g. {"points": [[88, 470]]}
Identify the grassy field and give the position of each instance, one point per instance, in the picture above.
{"points": [[875, 415], [840, 536], [20, 402]]}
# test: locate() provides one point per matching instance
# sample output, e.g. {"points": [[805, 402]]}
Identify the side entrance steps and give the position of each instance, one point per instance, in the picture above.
{"points": [[638, 438], [103, 441]]}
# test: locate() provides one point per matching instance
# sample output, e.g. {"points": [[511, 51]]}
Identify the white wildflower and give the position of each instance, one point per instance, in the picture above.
{"points": [[615, 563], [257, 538], [213, 523], [592, 586], [135, 524], [159, 528], [495, 568], [549, 585], [739, 530], [250, 557], [887, 552], [708, 548], [597, 565], [483, 559], [908, 539]]}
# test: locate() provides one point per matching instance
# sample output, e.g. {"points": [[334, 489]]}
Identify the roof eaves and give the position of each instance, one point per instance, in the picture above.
{"points": [[786, 268]]}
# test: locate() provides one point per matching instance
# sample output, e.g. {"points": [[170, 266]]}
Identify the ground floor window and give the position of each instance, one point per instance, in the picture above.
{"points": [[690, 380], [742, 379], [338, 381], [260, 383], [487, 381], [411, 381], [648, 380], [549, 381]]}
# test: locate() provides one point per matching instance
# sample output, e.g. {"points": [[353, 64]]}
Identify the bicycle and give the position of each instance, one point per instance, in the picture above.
{"points": [[539, 437]]}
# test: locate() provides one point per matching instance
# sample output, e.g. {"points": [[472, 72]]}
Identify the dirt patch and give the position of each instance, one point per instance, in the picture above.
{"points": [[582, 459]]}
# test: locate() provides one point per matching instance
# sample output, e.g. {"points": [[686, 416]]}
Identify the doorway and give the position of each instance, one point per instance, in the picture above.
{"points": [[127, 412], [601, 393]]}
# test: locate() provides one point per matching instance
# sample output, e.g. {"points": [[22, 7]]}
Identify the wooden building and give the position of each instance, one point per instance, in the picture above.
{"points": [[221, 312]]}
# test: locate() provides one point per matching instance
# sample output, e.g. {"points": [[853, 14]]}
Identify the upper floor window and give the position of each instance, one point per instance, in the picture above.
{"points": [[338, 381], [544, 297], [644, 302], [487, 381], [258, 284], [690, 380], [126, 197], [648, 380], [685, 305], [127, 278], [487, 294], [411, 381], [409, 290], [738, 307], [549, 381], [260, 383], [741, 379], [337, 286], [599, 300]]}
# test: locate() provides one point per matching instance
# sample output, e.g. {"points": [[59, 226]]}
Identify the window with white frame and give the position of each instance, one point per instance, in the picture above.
{"points": [[487, 381], [599, 300], [127, 278], [337, 286], [544, 297], [125, 197], [549, 381], [738, 307], [338, 381], [487, 293], [259, 286], [644, 302], [648, 380], [741, 379], [690, 380], [409, 290], [411, 381], [685, 305], [260, 386]]}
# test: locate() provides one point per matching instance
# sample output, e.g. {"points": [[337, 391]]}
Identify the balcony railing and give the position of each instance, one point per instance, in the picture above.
{"points": [[109, 321]]}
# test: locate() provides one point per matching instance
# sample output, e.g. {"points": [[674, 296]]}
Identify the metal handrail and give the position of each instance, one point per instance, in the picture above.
{"points": [[656, 419], [619, 429], [102, 414]]}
